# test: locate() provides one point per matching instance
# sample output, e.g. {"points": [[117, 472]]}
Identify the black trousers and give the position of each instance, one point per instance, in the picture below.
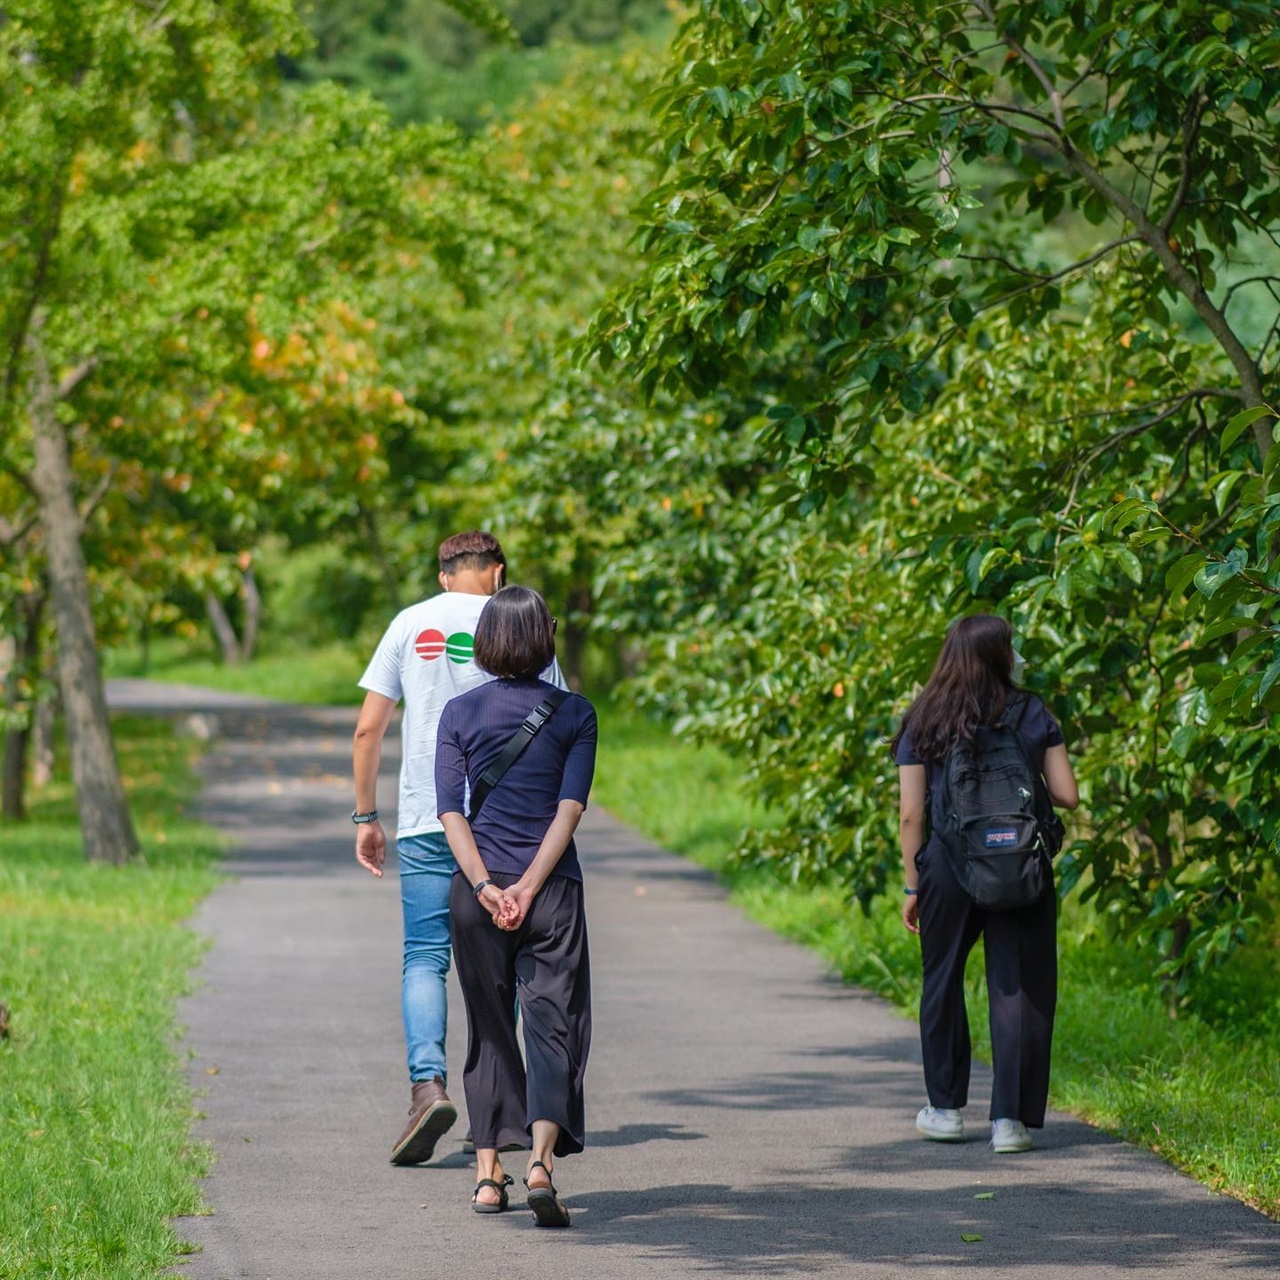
{"points": [[1022, 987], [546, 963]]}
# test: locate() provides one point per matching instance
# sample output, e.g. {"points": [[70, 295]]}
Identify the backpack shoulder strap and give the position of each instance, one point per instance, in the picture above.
{"points": [[1022, 701], [515, 748]]}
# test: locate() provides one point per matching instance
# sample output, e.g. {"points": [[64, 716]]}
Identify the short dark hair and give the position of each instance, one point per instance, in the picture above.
{"points": [[474, 549], [515, 637]]}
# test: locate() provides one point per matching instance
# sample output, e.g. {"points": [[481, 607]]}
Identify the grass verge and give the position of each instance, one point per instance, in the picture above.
{"points": [[323, 676], [95, 1152], [1203, 1094]]}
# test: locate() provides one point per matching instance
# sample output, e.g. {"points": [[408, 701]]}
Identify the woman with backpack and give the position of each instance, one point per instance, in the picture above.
{"points": [[970, 712]]}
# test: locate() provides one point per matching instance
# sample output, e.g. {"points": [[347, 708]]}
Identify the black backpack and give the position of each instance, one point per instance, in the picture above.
{"points": [[994, 816]]}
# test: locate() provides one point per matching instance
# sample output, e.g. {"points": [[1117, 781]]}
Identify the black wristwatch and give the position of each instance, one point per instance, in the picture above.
{"points": [[359, 818]]}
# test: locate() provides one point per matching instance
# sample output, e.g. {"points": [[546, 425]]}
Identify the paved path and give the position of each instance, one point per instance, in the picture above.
{"points": [[748, 1115]]}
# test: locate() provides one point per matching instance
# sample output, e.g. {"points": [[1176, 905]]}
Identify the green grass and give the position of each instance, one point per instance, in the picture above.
{"points": [[322, 675], [95, 1113], [1205, 1095]]}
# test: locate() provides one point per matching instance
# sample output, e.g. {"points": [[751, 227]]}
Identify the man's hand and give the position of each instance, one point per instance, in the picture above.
{"points": [[911, 912], [371, 846]]}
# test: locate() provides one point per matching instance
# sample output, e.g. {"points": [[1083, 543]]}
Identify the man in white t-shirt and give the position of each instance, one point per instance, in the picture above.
{"points": [[425, 659]]}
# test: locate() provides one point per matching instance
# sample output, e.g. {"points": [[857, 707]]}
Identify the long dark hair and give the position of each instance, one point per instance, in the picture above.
{"points": [[970, 686]]}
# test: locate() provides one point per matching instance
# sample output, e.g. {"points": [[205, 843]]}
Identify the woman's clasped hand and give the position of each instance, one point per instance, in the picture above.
{"points": [[502, 906]]}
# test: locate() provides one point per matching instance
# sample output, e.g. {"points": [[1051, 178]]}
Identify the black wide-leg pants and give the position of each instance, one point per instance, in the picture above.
{"points": [[1022, 987], [545, 963]]}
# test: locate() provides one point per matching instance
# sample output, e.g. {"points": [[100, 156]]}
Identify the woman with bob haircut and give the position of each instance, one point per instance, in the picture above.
{"points": [[519, 928], [973, 684]]}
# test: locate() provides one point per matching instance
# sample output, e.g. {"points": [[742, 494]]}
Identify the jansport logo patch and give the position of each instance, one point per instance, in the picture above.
{"points": [[999, 837], [432, 644]]}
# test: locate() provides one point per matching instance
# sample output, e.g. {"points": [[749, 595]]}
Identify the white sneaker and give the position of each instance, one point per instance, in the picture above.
{"points": [[940, 1124], [1008, 1136]]}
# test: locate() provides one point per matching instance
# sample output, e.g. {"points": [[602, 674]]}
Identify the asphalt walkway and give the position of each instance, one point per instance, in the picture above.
{"points": [[748, 1115]]}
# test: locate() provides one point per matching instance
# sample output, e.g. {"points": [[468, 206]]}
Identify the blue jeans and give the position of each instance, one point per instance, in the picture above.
{"points": [[426, 871]]}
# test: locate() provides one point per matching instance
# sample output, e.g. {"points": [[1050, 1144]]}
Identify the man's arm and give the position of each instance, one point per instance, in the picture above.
{"points": [[366, 757]]}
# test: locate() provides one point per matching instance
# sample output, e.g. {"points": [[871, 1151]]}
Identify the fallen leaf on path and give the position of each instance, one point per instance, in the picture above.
{"points": [[969, 1238], [212, 1071], [985, 1195]]}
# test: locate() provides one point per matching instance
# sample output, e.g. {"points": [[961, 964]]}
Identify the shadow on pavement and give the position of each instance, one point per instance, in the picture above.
{"points": [[789, 1229]]}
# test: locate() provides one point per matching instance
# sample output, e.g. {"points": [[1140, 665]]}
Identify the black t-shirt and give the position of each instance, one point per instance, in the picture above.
{"points": [[1038, 730]]}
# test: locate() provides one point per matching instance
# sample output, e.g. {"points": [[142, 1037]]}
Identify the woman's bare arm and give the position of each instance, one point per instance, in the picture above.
{"points": [[1060, 778], [913, 789]]}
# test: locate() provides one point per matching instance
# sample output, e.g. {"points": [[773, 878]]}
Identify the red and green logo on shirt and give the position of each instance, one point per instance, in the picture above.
{"points": [[432, 644]]}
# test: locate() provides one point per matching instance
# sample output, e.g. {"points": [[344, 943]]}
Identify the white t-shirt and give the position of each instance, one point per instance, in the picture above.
{"points": [[425, 659]]}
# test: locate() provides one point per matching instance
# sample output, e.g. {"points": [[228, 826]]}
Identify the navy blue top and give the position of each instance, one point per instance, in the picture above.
{"points": [[557, 765], [1038, 730]]}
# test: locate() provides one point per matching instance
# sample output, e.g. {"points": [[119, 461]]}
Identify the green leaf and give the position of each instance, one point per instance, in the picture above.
{"points": [[1242, 422], [985, 1195], [970, 1237], [1127, 512], [960, 311], [871, 158], [1269, 678], [724, 103], [1228, 626], [993, 557], [1130, 564], [1179, 577]]}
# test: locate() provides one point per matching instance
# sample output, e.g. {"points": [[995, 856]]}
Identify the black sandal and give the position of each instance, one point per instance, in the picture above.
{"points": [[546, 1206], [481, 1206]]}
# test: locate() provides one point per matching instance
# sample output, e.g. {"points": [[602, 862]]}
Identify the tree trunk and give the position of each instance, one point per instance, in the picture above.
{"points": [[17, 750], [17, 742], [252, 615], [104, 811], [42, 740], [575, 634], [228, 641]]}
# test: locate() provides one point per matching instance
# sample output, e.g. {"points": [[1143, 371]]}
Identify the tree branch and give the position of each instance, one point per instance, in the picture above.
{"points": [[79, 374], [100, 491], [1270, 281], [11, 534], [22, 479], [1055, 98], [1038, 278], [1123, 411], [1190, 134], [1125, 433], [1155, 238], [44, 256]]}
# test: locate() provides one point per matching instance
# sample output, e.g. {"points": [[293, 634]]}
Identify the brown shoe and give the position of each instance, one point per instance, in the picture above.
{"points": [[431, 1114]]}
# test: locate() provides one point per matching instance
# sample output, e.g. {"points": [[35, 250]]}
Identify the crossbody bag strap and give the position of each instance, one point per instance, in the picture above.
{"points": [[515, 748]]}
